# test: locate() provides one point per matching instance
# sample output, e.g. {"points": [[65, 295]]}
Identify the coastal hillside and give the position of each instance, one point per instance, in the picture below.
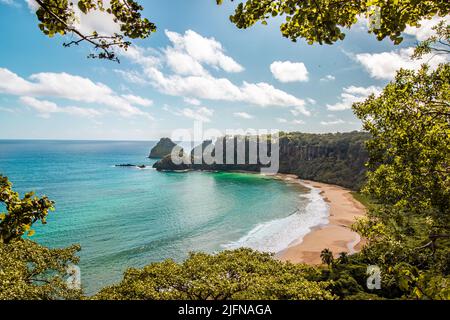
{"points": [[336, 158]]}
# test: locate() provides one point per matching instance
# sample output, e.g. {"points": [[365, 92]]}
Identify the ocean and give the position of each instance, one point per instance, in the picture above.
{"points": [[128, 217]]}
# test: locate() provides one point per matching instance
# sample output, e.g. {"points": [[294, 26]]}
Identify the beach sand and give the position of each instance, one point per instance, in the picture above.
{"points": [[336, 235]]}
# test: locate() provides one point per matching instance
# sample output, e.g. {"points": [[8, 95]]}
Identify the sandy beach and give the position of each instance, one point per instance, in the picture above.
{"points": [[336, 235]]}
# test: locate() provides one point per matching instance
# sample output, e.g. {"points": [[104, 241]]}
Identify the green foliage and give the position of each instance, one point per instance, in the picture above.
{"points": [[336, 158], [408, 178], [322, 21], [29, 271], [21, 213], [410, 148], [438, 43], [239, 274], [58, 17], [327, 257]]}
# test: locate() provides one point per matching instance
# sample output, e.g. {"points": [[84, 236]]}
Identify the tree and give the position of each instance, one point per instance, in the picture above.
{"points": [[409, 178], [29, 270], [322, 21], [58, 17], [240, 274], [21, 213], [410, 146], [327, 257]]}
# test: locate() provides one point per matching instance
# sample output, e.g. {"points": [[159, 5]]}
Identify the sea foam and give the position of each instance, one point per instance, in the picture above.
{"points": [[276, 235]]}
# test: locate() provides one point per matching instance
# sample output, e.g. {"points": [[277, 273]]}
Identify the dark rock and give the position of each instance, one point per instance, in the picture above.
{"points": [[163, 148]]}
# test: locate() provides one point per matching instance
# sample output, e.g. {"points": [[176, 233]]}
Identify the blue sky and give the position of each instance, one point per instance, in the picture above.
{"points": [[198, 66]]}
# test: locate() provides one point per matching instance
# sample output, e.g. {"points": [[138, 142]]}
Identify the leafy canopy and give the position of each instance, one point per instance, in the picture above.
{"points": [[29, 270], [239, 274], [58, 17], [409, 178], [21, 212], [322, 21]]}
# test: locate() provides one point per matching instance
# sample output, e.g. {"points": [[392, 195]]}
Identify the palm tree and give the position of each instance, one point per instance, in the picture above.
{"points": [[327, 257], [343, 257]]}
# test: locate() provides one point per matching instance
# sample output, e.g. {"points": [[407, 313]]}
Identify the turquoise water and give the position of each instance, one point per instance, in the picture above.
{"points": [[125, 217]]}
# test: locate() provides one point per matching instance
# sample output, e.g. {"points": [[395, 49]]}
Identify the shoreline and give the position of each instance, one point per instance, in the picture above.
{"points": [[336, 235]]}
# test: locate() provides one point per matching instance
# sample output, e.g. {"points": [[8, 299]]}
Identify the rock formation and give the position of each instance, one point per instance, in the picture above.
{"points": [[163, 148]]}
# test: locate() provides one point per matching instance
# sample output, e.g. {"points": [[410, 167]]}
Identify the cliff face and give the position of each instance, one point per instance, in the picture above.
{"points": [[163, 148], [330, 158]]}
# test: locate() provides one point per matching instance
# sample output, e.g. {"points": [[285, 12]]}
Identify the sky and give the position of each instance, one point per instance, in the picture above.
{"points": [[198, 66]]}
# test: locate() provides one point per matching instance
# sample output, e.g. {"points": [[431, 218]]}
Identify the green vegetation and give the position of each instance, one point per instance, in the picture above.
{"points": [[322, 21], [29, 270], [239, 274], [336, 158], [363, 198], [58, 17]]}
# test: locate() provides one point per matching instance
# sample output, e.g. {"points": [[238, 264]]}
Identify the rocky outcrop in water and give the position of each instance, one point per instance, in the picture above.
{"points": [[337, 158], [163, 148]]}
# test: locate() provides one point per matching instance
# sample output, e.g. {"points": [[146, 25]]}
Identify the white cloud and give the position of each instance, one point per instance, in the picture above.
{"points": [[183, 64], [212, 88], [202, 50], [136, 100], [192, 101], [200, 114], [426, 27], [291, 122], [191, 79], [132, 76], [332, 123], [67, 86], [327, 78], [243, 115], [45, 108], [287, 71], [352, 95], [386, 64]]}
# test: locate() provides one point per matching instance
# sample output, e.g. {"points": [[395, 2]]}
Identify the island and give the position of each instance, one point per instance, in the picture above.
{"points": [[163, 148]]}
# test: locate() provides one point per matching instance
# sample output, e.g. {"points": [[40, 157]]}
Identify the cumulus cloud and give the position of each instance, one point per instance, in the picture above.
{"points": [[199, 114], [45, 108], [67, 86], [243, 115], [287, 71], [200, 49], [197, 83], [385, 65], [352, 95]]}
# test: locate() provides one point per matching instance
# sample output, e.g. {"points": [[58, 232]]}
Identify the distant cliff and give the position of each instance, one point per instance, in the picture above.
{"points": [[337, 158], [163, 148]]}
